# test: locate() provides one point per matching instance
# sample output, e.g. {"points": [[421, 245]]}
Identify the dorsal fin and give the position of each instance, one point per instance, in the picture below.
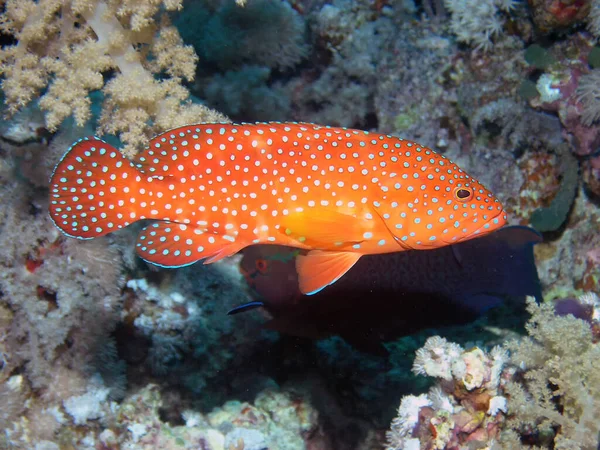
{"points": [[181, 150]]}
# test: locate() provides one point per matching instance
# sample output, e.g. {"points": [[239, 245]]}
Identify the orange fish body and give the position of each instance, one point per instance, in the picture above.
{"points": [[213, 189]]}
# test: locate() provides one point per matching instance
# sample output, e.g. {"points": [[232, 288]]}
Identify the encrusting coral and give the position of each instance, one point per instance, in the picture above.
{"points": [[67, 46]]}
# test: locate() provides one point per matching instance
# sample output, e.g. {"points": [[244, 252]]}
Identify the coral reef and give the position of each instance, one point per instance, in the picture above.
{"points": [[478, 22], [100, 350], [274, 420], [175, 326], [553, 390], [543, 394], [553, 216], [350, 40], [550, 16], [246, 93], [244, 53], [66, 46], [268, 33], [465, 408]]}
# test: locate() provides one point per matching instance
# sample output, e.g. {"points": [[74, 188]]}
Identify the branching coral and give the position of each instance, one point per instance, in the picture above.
{"points": [[477, 22], [557, 386], [69, 45]]}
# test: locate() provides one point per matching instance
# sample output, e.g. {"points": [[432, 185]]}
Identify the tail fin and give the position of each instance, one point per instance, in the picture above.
{"points": [[89, 190]]}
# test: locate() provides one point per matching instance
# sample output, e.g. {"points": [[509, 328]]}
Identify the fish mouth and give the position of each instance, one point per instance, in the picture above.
{"points": [[496, 222]]}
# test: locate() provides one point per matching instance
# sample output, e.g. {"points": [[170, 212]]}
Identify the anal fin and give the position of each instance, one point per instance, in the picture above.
{"points": [[172, 245], [318, 269]]}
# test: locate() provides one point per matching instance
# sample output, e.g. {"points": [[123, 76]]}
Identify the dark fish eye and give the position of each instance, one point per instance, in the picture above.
{"points": [[463, 195], [249, 277], [261, 265]]}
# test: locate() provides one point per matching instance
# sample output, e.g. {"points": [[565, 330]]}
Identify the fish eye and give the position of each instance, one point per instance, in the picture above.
{"points": [[463, 194], [261, 265], [249, 277]]}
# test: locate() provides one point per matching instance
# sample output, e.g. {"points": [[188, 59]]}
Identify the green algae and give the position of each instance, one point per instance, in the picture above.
{"points": [[538, 57], [552, 217]]}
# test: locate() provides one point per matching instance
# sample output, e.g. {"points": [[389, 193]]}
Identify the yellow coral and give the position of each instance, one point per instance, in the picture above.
{"points": [[72, 61]]}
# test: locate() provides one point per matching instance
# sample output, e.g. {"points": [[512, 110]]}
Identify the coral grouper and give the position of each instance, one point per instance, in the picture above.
{"points": [[213, 189]]}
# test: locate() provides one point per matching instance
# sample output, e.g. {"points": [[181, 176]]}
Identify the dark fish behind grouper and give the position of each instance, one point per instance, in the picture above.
{"points": [[391, 295]]}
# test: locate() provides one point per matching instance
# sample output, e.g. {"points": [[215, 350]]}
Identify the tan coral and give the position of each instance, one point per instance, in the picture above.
{"points": [[72, 61]]}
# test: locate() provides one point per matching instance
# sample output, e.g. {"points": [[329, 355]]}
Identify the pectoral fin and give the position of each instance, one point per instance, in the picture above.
{"points": [[323, 228], [318, 269]]}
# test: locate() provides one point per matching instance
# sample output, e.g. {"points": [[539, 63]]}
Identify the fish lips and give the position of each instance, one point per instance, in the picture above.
{"points": [[493, 224]]}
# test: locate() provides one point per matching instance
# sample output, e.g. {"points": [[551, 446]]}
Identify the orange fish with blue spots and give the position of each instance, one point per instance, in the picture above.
{"points": [[213, 189]]}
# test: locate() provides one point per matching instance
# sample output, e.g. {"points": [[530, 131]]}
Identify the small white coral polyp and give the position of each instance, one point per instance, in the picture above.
{"points": [[435, 358], [408, 412], [473, 369], [592, 299], [470, 368]]}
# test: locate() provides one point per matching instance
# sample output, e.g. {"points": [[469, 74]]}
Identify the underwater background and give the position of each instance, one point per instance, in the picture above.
{"points": [[488, 344]]}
